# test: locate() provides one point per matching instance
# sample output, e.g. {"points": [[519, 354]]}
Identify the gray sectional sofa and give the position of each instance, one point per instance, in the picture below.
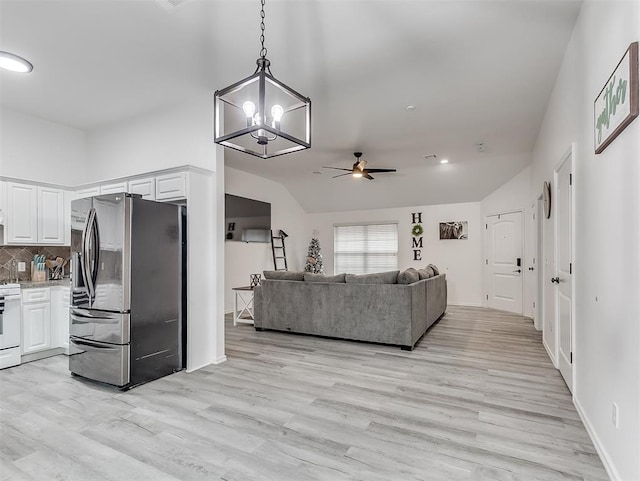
{"points": [[388, 313]]}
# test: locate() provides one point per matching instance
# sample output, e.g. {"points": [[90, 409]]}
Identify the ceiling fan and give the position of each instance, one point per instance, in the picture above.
{"points": [[359, 169]]}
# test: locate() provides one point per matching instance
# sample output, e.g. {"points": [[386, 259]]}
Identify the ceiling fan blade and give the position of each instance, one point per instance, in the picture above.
{"points": [[367, 176], [341, 175], [336, 168], [381, 170], [362, 164]]}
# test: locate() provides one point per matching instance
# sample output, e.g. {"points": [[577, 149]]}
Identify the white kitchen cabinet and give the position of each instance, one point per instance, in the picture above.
{"points": [[35, 214], [88, 192], [60, 296], [114, 188], [51, 218], [36, 320], [21, 221], [171, 186], [145, 187]]}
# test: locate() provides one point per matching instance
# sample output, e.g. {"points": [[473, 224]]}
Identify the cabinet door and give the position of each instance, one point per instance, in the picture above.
{"points": [[89, 192], [22, 214], [60, 317], [36, 327], [171, 186], [50, 216], [145, 187], [115, 188]]}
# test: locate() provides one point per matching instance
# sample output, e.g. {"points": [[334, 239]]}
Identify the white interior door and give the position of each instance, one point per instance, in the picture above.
{"points": [[504, 261], [564, 270]]}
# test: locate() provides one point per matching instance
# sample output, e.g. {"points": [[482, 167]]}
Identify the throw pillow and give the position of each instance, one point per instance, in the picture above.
{"points": [[435, 269], [425, 273], [390, 277], [284, 275], [311, 277], [408, 276]]}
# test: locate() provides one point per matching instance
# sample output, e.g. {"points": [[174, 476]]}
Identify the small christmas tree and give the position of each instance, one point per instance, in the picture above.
{"points": [[314, 258]]}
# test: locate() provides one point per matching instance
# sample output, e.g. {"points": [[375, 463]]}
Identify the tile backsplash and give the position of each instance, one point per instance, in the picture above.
{"points": [[25, 254]]}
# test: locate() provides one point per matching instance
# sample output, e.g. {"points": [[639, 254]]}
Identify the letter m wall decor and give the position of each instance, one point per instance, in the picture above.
{"points": [[617, 104]]}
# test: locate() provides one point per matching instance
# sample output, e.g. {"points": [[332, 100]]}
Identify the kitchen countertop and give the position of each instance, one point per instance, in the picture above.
{"points": [[30, 285]]}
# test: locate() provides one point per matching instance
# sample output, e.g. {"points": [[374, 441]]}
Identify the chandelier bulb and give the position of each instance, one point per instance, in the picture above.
{"points": [[249, 108], [277, 112]]}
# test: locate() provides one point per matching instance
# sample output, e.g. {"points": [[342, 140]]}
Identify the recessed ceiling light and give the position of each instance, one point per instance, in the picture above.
{"points": [[444, 161], [410, 107], [14, 63]]}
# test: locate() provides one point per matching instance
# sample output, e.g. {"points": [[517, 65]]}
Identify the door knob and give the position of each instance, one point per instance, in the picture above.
{"points": [[555, 280], [518, 271]]}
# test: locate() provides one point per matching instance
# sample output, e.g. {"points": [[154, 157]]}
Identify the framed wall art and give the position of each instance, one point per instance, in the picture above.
{"points": [[454, 230], [617, 104]]}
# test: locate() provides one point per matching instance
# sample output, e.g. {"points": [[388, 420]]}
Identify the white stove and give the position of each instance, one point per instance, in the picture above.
{"points": [[9, 325]]}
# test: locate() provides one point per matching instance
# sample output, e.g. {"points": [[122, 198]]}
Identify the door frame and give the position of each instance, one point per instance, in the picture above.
{"points": [[538, 264], [570, 156], [485, 252]]}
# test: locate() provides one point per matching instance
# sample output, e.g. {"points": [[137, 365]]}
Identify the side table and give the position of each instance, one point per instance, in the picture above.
{"points": [[242, 305]]}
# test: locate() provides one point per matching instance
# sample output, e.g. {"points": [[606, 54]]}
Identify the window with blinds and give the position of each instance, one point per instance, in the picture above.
{"points": [[365, 249]]}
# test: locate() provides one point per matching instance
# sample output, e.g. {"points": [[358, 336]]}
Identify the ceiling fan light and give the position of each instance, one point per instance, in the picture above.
{"points": [[357, 175]]}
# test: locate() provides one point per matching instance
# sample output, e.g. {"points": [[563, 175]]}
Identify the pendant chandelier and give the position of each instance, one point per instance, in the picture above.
{"points": [[260, 115]]}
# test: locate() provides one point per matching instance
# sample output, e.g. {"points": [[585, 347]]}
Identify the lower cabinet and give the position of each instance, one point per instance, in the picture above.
{"points": [[45, 319], [36, 327]]}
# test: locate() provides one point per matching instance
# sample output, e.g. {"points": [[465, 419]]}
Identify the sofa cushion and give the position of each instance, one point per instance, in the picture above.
{"points": [[425, 273], [311, 277], [284, 275], [390, 277], [436, 272], [408, 276]]}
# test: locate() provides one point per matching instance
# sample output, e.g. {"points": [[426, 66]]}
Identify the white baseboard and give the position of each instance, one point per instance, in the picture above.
{"points": [[602, 452], [551, 356], [220, 360], [467, 304]]}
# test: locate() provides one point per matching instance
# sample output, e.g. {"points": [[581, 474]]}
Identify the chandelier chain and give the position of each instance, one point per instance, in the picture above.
{"points": [[263, 50]]}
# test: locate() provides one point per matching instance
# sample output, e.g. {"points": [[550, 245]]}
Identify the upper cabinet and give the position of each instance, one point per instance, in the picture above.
{"points": [[145, 187], [21, 225], [51, 218], [35, 215], [90, 192], [171, 186], [114, 188]]}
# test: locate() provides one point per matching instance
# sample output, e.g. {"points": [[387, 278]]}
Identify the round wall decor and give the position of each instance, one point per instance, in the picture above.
{"points": [[546, 194]]}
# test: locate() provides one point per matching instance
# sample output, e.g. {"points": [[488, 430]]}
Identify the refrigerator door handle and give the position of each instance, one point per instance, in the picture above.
{"points": [[92, 346], [95, 231], [87, 268], [84, 319]]}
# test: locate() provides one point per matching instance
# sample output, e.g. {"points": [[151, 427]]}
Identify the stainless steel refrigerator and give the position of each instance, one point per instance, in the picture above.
{"points": [[125, 321]]}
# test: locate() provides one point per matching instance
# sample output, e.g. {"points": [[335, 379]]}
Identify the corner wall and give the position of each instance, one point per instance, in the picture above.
{"points": [[606, 348]]}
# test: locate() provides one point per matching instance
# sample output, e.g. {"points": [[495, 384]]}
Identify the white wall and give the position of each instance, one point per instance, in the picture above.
{"points": [[39, 150], [516, 195], [175, 137], [459, 259], [607, 258], [243, 259]]}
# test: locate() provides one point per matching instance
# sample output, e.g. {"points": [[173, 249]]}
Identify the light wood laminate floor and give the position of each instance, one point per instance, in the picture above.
{"points": [[477, 400]]}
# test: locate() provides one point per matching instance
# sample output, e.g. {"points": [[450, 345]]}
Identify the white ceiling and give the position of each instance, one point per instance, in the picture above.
{"points": [[477, 71]]}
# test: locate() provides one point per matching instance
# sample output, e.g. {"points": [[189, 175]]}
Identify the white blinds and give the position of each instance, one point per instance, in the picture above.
{"points": [[364, 249]]}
